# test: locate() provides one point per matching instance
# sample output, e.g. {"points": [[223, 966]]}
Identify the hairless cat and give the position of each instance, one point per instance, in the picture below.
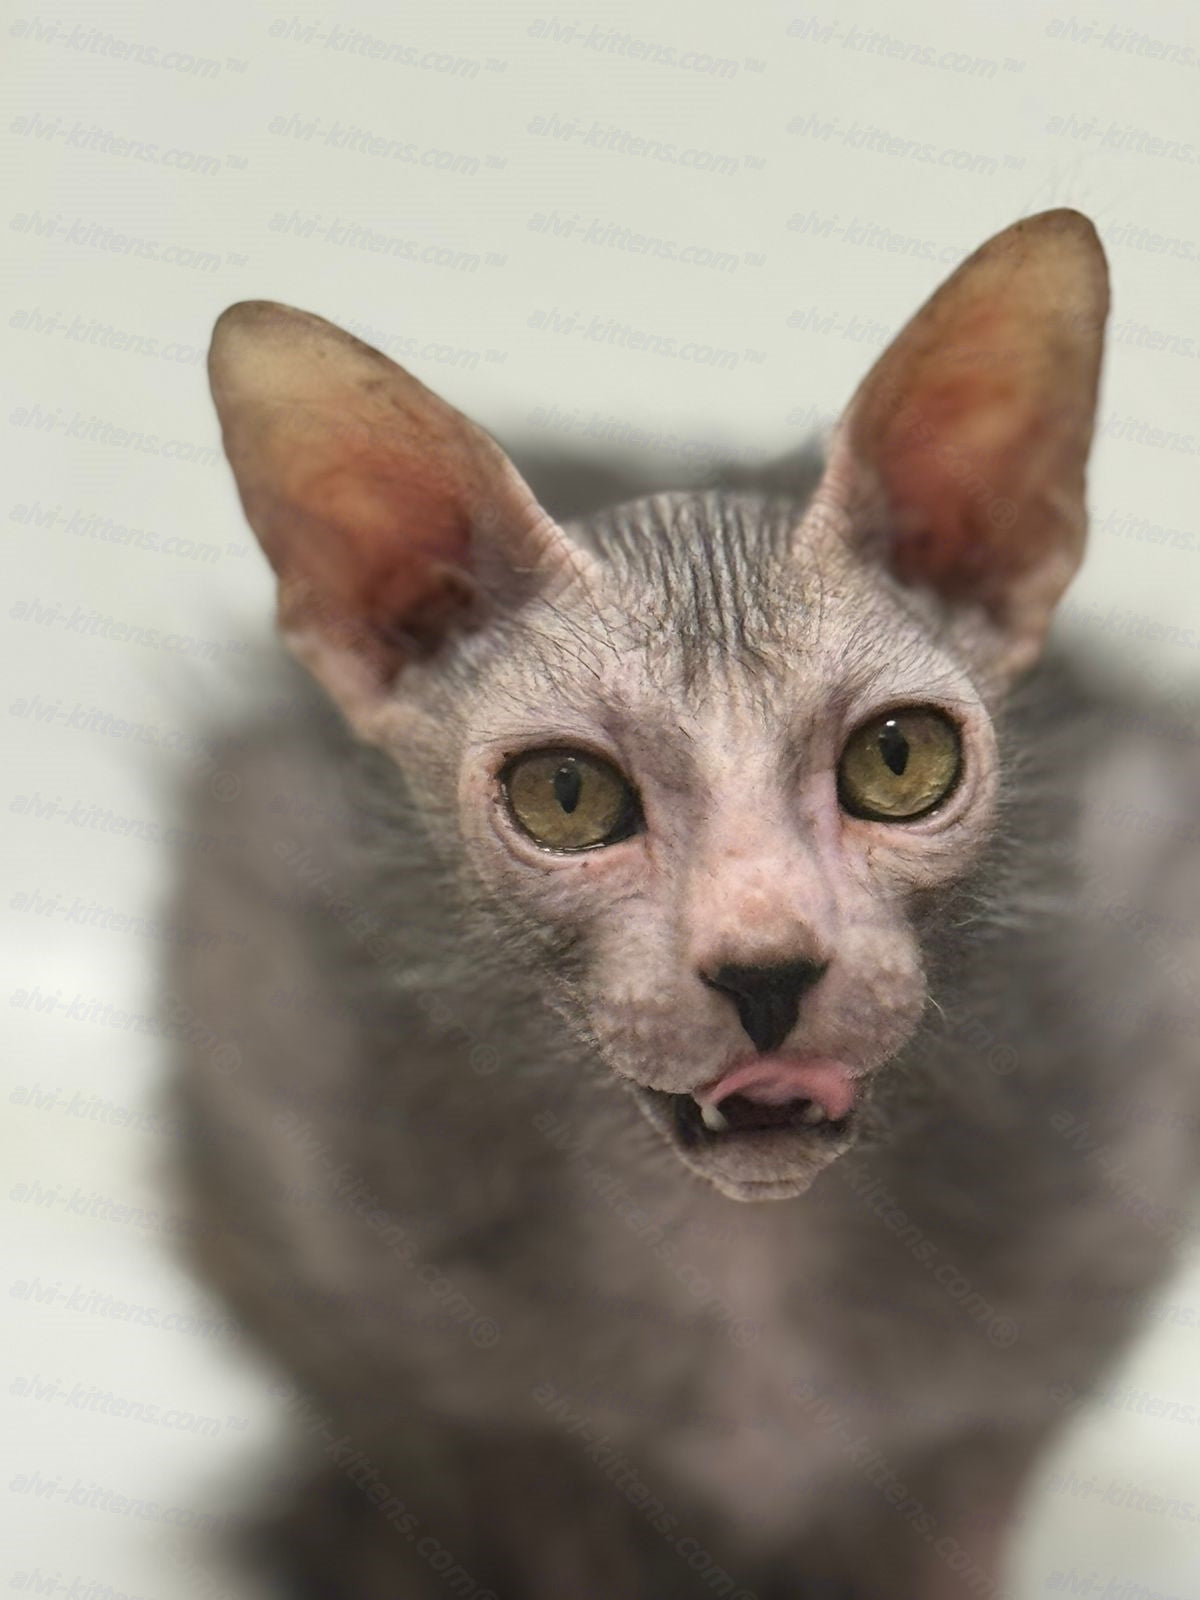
{"points": [[676, 1123]]}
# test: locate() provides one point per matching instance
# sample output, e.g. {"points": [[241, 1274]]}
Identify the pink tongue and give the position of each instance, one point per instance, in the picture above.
{"points": [[773, 1080]]}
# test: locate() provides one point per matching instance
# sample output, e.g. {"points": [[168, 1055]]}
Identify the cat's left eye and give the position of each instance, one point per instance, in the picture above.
{"points": [[569, 799], [899, 766]]}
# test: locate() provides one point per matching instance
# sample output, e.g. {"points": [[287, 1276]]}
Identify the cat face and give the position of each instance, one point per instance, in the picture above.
{"points": [[739, 948], [707, 756]]}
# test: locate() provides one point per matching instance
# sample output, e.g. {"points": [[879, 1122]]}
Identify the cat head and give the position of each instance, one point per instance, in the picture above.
{"points": [[711, 757]]}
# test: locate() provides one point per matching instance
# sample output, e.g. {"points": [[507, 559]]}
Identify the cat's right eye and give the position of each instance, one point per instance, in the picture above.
{"points": [[569, 799]]}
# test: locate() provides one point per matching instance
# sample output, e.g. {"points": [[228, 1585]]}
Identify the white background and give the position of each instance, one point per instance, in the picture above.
{"points": [[1003, 111]]}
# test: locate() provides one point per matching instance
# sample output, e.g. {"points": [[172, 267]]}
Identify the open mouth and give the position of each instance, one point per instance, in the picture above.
{"points": [[703, 1122], [763, 1129]]}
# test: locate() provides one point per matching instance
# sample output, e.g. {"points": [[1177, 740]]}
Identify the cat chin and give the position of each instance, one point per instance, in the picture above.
{"points": [[776, 1164]]}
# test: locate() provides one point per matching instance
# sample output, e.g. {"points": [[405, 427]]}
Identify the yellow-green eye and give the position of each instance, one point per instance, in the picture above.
{"points": [[569, 800], [900, 765]]}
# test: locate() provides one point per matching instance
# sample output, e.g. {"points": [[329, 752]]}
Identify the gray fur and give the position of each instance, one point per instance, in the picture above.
{"points": [[542, 1342], [380, 964]]}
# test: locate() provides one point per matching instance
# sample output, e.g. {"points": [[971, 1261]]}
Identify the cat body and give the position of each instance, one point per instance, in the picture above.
{"points": [[551, 1323]]}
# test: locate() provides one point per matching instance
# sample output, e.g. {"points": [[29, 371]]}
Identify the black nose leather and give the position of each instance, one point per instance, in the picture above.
{"points": [[767, 998]]}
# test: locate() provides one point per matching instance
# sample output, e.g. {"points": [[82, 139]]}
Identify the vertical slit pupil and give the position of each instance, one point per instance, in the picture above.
{"points": [[567, 786], [893, 747]]}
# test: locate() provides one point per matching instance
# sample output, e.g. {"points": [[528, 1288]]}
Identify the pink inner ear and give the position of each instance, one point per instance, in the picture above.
{"points": [[938, 469], [372, 546], [395, 537], [389, 518], [973, 428]]}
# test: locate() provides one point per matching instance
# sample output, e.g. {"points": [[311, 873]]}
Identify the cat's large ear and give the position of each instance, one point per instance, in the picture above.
{"points": [[388, 517], [961, 459]]}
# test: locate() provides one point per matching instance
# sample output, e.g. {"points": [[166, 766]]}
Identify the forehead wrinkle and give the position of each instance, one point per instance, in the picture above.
{"points": [[696, 569]]}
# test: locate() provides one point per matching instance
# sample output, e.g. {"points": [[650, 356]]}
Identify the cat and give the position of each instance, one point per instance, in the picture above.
{"points": [[674, 1121]]}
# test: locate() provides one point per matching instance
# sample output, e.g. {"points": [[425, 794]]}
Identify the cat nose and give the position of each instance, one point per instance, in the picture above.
{"points": [[767, 997]]}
